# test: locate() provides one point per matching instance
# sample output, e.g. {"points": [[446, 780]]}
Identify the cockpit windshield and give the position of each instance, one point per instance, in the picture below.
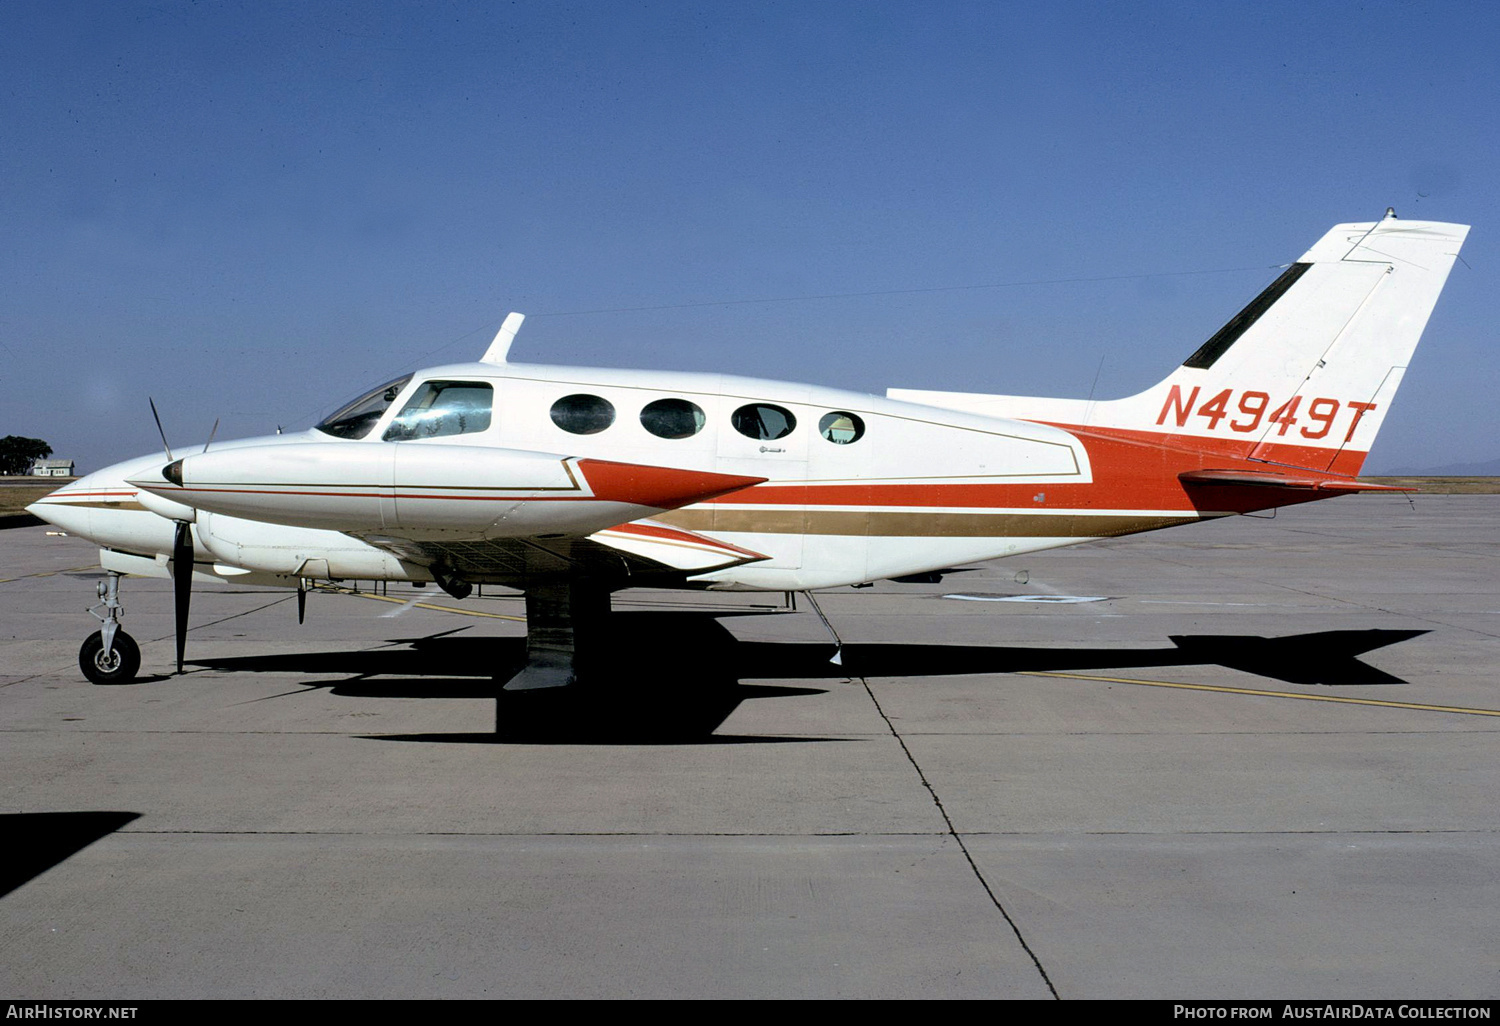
{"points": [[354, 420], [440, 408]]}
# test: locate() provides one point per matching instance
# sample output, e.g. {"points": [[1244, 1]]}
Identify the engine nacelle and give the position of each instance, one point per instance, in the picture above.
{"points": [[416, 490]]}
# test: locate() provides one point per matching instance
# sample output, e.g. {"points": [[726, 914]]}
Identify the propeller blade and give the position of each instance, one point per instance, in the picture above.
{"points": [[301, 604], [182, 583], [211, 433], [160, 430]]}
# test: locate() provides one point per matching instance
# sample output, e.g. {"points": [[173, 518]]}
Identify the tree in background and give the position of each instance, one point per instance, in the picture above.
{"points": [[17, 453]]}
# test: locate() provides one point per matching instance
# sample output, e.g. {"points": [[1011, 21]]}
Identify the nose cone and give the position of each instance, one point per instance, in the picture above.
{"points": [[162, 480], [157, 478], [75, 518], [71, 507], [103, 507]]}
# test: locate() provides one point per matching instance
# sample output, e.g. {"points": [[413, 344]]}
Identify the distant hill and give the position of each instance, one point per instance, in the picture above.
{"points": [[1486, 468]]}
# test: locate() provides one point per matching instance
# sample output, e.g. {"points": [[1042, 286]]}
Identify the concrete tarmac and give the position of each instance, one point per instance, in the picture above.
{"points": [[1247, 759]]}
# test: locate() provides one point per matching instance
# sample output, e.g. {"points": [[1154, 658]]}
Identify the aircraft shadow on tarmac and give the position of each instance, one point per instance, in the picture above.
{"points": [[675, 677], [43, 839]]}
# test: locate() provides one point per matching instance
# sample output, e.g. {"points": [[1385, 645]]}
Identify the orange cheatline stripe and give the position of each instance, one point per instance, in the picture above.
{"points": [[1265, 694]]}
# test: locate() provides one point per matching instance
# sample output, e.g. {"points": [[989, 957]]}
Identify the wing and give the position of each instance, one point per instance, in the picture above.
{"points": [[643, 551]]}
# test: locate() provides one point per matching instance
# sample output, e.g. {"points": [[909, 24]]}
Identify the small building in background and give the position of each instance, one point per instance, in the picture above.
{"points": [[52, 468]]}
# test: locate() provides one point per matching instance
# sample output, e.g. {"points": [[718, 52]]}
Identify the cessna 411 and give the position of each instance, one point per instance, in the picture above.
{"points": [[570, 483]]}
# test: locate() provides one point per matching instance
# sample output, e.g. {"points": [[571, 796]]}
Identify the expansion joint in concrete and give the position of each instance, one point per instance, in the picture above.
{"points": [[958, 839]]}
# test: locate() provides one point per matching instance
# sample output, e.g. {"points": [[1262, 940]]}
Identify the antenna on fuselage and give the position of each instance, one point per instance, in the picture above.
{"points": [[503, 339], [838, 642]]}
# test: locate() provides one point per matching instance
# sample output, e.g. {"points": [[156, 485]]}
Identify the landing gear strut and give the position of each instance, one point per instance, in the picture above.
{"points": [[563, 621], [109, 656]]}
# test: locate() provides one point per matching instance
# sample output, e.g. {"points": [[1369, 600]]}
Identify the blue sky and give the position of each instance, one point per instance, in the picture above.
{"points": [[253, 210]]}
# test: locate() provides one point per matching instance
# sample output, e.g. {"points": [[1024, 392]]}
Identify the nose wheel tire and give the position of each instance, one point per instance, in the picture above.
{"points": [[117, 666]]}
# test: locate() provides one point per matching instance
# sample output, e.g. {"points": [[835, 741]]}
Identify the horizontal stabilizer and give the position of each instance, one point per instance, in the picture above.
{"points": [[1271, 479]]}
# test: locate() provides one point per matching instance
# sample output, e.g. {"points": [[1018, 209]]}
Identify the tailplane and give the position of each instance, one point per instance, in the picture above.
{"points": [[1302, 376]]}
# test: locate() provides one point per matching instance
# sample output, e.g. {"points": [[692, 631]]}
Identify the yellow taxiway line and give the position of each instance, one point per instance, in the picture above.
{"points": [[423, 605], [1422, 707], [49, 573]]}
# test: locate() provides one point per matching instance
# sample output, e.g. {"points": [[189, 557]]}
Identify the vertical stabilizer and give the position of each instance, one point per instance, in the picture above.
{"points": [[1303, 375]]}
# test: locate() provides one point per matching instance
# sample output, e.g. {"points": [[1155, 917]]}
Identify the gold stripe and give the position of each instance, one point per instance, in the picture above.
{"points": [[1268, 694], [880, 524]]}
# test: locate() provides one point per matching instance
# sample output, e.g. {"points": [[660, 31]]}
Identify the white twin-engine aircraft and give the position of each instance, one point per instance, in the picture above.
{"points": [[573, 483]]}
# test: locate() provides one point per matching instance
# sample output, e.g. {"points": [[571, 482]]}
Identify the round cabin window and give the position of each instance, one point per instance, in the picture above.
{"points": [[583, 414], [672, 418], [841, 428], [763, 421]]}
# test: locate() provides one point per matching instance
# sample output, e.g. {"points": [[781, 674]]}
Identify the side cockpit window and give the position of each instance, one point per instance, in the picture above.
{"points": [[354, 420], [439, 408]]}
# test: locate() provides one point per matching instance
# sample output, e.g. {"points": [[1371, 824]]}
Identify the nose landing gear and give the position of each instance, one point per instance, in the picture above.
{"points": [[109, 656]]}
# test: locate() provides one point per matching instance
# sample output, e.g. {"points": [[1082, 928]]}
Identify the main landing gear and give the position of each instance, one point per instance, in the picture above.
{"points": [[109, 656], [564, 618]]}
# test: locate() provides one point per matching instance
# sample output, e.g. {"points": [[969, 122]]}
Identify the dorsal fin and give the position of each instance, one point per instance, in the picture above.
{"points": [[503, 338]]}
